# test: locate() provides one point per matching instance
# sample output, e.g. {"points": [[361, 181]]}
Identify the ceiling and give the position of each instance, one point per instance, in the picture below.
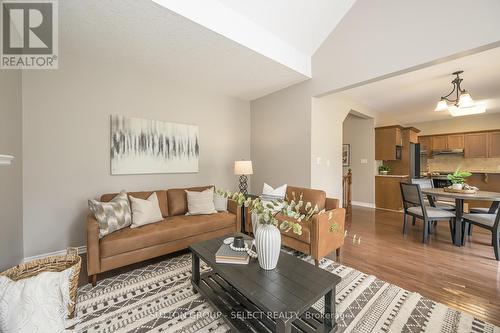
{"points": [[243, 49], [156, 42], [304, 24], [411, 98]]}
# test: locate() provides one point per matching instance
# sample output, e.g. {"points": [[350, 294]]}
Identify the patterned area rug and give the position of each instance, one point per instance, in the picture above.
{"points": [[159, 298]]}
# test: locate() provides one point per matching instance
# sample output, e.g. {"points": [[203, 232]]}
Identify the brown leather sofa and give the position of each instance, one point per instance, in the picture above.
{"points": [[176, 232], [316, 240]]}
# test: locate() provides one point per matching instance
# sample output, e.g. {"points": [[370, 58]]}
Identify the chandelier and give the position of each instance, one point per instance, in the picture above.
{"points": [[459, 102]]}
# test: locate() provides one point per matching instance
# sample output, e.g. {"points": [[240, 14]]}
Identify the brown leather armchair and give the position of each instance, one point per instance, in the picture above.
{"points": [[317, 239]]}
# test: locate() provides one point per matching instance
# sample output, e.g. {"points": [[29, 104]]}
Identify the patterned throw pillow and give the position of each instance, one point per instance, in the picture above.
{"points": [[113, 215]]}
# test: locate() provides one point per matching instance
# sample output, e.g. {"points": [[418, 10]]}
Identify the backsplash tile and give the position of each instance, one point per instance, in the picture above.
{"points": [[446, 163]]}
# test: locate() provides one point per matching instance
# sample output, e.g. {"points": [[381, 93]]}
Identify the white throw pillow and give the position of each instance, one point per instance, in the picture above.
{"points": [[201, 203], [145, 211], [270, 194], [36, 305], [220, 203]]}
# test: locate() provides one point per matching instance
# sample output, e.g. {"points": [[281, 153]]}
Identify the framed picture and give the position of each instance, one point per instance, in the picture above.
{"points": [[143, 146], [346, 154]]}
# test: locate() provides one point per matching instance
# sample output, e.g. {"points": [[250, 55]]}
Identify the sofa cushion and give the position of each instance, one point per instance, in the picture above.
{"points": [[306, 230], [162, 198], [177, 199], [315, 197], [170, 229], [112, 215]]}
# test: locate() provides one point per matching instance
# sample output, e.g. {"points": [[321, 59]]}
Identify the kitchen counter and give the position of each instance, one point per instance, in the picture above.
{"points": [[393, 176], [471, 171]]}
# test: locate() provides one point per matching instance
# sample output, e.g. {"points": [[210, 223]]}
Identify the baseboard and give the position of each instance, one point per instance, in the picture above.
{"points": [[81, 249], [363, 204]]}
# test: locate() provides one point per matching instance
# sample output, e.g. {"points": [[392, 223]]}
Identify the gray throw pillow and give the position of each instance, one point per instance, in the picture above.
{"points": [[113, 215]]}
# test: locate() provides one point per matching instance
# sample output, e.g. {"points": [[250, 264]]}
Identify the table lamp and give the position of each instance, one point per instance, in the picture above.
{"points": [[242, 169]]}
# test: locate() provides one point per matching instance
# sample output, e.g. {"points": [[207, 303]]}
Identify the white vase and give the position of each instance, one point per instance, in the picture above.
{"points": [[268, 243], [255, 224], [457, 186]]}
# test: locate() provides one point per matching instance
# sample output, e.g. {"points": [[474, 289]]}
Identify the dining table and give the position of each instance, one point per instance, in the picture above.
{"points": [[434, 193]]}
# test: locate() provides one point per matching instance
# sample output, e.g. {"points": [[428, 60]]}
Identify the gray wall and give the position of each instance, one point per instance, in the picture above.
{"points": [[11, 178], [281, 139], [67, 142], [360, 134]]}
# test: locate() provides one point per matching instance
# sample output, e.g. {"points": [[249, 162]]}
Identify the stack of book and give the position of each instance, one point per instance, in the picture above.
{"points": [[227, 256]]}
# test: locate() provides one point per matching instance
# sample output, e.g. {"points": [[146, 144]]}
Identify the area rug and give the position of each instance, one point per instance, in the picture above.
{"points": [[159, 298]]}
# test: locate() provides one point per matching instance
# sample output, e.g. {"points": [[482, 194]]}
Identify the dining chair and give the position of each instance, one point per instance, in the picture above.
{"points": [[483, 210], [490, 222], [479, 210], [428, 183], [414, 206]]}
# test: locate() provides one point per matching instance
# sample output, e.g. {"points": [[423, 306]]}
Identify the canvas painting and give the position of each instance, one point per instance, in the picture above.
{"points": [[346, 154], [142, 146]]}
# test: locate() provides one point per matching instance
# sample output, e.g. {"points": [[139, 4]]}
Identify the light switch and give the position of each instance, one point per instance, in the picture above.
{"points": [[327, 163], [318, 160], [364, 161]]}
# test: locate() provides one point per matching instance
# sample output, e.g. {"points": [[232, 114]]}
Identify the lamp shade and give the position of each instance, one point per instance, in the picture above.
{"points": [[243, 168], [441, 106], [465, 100]]}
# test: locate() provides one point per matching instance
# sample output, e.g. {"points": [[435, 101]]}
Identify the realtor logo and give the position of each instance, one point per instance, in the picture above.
{"points": [[29, 34]]}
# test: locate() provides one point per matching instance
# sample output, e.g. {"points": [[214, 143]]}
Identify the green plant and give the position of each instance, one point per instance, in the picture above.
{"points": [[458, 177], [384, 167], [266, 211]]}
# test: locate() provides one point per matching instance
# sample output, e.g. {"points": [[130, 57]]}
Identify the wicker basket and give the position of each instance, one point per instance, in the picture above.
{"points": [[51, 264]]}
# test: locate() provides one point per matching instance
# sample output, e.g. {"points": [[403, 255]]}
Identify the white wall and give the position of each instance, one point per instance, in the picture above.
{"points": [[66, 133], [328, 114], [379, 37], [376, 38], [359, 133], [11, 179]]}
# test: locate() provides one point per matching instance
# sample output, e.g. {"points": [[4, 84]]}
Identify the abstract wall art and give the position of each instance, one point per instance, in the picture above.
{"points": [[142, 146]]}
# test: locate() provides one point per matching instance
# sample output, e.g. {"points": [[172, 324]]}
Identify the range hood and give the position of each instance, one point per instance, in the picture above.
{"points": [[448, 152]]}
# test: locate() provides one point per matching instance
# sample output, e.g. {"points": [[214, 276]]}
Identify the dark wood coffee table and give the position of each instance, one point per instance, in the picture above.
{"points": [[252, 299]]}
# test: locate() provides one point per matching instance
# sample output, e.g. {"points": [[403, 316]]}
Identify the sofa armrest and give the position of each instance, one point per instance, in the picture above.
{"points": [[324, 240], [233, 208], [93, 255], [331, 204]]}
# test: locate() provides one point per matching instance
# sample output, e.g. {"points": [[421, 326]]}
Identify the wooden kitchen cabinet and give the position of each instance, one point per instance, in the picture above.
{"points": [[413, 136], [494, 144], [476, 145], [455, 141], [439, 142], [388, 192], [425, 143], [386, 141]]}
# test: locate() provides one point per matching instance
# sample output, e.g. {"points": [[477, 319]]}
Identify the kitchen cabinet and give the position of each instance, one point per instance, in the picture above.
{"points": [[388, 191], [439, 142], [455, 141], [494, 144], [425, 143], [476, 145], [387, 142], [413, 136]]}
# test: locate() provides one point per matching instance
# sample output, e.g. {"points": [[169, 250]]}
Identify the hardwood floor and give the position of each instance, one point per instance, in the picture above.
{"points": [[465, 278]]}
